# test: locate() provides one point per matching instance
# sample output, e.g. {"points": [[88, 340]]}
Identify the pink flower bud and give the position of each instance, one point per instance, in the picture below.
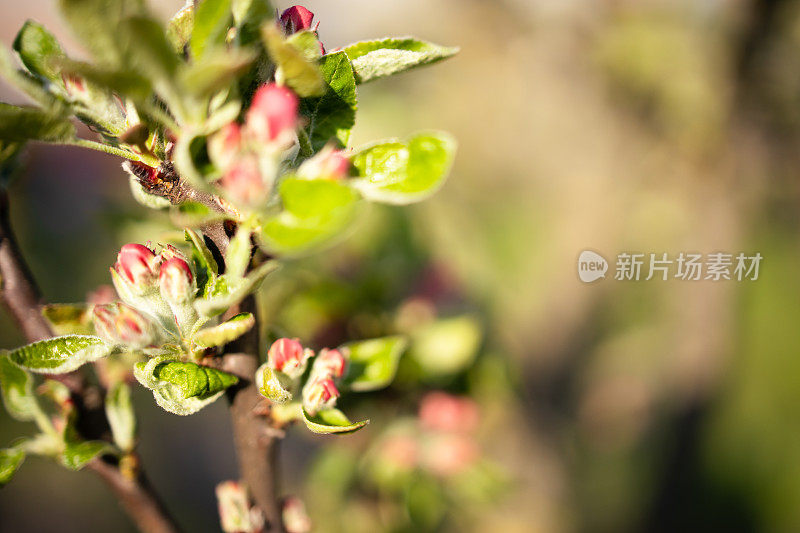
{"points": [[296, 18], [225, 145], [330, 363], [243, 184], [295, 517], [176, 280], [288, 356], [121, 324], [327, 164], [443, 412], [319, 393], [234, 509], [447, 455], [272, 117], [135, 264]]}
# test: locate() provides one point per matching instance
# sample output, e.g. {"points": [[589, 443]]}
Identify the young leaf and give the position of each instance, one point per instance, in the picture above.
{"points": [[249, 16], [397, 172], [294, 68], [60, 354], [193, 379], [270, 386], [237, 257], [380, 58], [446, 346], [169, 396], [331, 421], [121, 417], [68, 319], [372, 364], [38, 48], [179, 28], [226, 293], [77, 452], [10, 460], [17, 388], [315, 211], [332, 115], [226, 332], [30, 123], [204, 264], [212, 19]]}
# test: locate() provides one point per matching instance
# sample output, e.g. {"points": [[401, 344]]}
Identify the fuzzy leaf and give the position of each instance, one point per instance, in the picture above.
{"points": [[60, 354], [179, 28], [372, 364], [204, 263], [121, 417], [332, 115], [295, 69], [380, 58], [193, 379], [68, 319], [77, 454], [30, 123], [38, 48], [398, 172], [237, 256], [331, 421], [10, 460], [212, 19], [226, 293], [17, 388], [169, 396], [226, 332], [315, 211], [269, 385]]}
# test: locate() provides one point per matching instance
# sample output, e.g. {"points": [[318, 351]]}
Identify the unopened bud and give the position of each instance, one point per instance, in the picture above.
{"points": [[330, 363], [74, 85], [327, 164], [176, 281], [319, 393], [234, 508], [243, 183], [444, 412], [295, 517], [289, 357], [272, 117], [135, 265], [296, 18], [121, 324], [225, 145]]}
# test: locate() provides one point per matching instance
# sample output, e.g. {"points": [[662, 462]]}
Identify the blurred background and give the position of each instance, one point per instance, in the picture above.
{"points": [[618, 125]]}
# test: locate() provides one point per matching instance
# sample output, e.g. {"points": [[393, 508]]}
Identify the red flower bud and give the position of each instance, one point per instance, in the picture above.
{"points": [[295, 517], [225, 145], [272, 116], [135, 264], [288, 356], [121, 324], [176, 280], [330, 363], [443, 412], [243, 184], [327, 164], [319, 393], [296, 18]]}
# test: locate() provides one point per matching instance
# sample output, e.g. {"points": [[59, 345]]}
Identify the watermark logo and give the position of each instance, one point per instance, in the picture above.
{"points": [[591, 266]]}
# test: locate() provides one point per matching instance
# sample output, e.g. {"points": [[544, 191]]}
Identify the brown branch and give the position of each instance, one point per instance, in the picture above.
{"points": [[21, 297]]}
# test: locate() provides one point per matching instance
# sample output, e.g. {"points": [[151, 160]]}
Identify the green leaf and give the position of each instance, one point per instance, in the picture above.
{"points": [[69, 319], [121, 418], [218, 69], [204, 263], [78, 452], [147, 49], [398, 172], [37, 48], [294, 68], [380, 58], [169, 396], [249, 16], [97, 24], [447, 346], [332, 115], [372, 364], [315, 211], [227, 293], [193, 379], [331, 421], [268, 382], [226, 332], [10, 461], [237, 256], [60, 354], [179, 27], [30, 123], [17, 389], [211, 22]]}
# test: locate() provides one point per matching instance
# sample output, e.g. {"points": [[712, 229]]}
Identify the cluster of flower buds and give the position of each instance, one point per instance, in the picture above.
{"points": [[320, 390], [298, 18], [294, 515], [235, 513], [289, 356], [248, 156], [118, 323]]}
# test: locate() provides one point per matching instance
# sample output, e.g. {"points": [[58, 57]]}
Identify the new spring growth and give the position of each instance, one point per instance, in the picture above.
{"points": [[298, 18], [320, 391], [176, 281], [288, 356], [118, 323], [328, 164], [272, 117], [235, 513], [294, 515], [136, 265]]}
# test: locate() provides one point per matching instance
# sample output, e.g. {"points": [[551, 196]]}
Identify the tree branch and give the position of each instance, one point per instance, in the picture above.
{"points": [[22, 298]]}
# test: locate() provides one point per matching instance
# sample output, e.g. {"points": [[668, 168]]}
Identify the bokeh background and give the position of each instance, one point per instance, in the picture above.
{"points": [[625, 125]]}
